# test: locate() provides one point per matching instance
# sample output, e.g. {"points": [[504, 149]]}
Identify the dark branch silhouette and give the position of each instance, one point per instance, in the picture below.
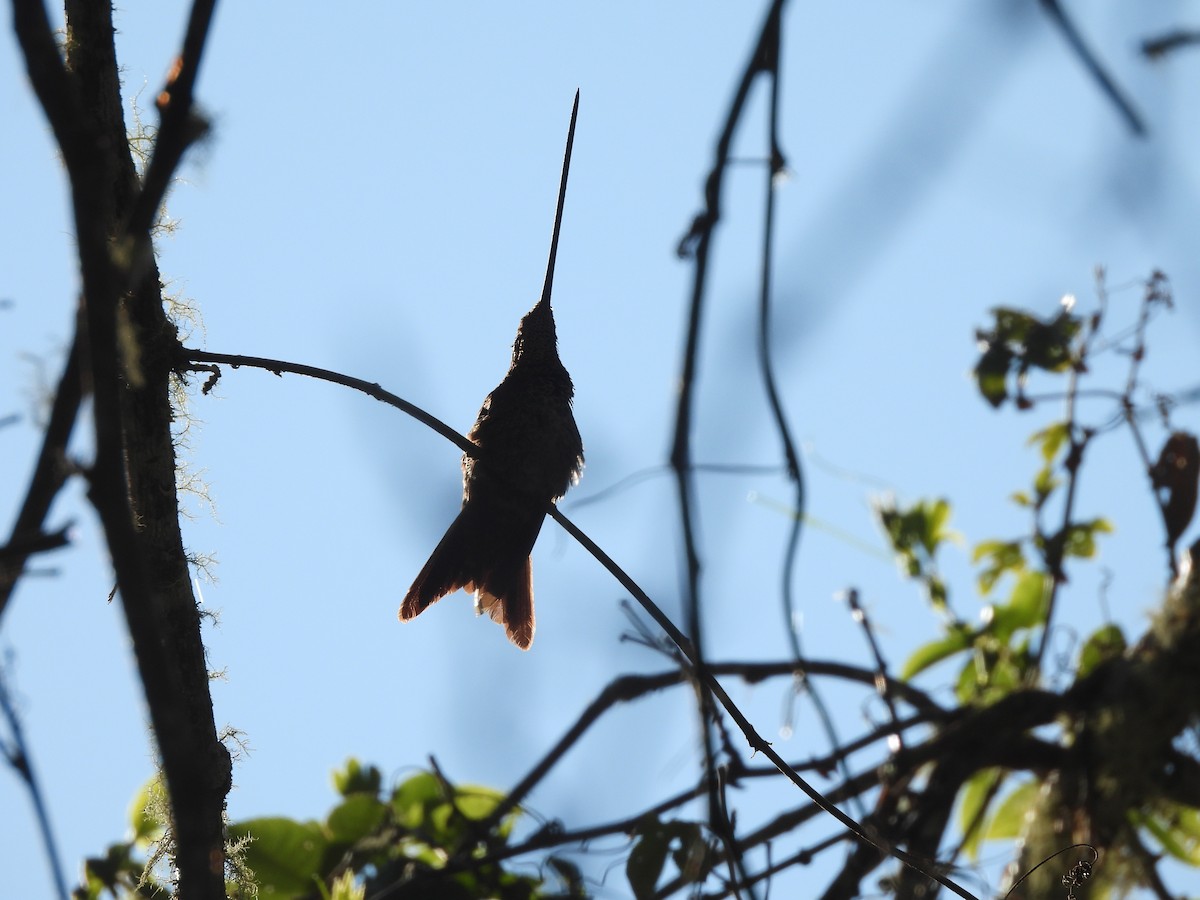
{"points": [[132, 477], [20, 758], [1091, 62]]}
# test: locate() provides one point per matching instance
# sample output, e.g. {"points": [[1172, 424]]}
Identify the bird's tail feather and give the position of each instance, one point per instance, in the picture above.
{"points": [[508, 598], [487, 555]]}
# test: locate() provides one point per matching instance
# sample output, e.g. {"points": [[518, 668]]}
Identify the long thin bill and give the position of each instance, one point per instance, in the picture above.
{"points": [[562, 196]]}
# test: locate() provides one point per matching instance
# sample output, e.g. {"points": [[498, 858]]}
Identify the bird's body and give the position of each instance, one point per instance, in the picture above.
{"points": [[529, 454]]}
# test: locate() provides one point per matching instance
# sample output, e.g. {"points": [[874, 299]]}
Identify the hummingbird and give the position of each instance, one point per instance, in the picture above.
{"points": [[529, 453]]}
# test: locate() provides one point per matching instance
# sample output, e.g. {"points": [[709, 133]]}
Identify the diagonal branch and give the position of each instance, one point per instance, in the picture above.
{"points": [[179, 126], [19, 758], [1091, 62], [49, 78], [49, 473]]}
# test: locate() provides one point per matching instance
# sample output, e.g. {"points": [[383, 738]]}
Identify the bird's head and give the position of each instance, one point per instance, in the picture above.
{"points": [[537, 340]]}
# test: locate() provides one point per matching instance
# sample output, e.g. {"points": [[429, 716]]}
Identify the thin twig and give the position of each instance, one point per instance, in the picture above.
{"points": [[21, 760], [1055, 855], [178, 127], [650, 472], [881, 677], [1078, 438], [1158, 47], [1156, 292], [20, 549], [775, 169], [768, 63], [1107, 84], [802, 857], [50, 471]]}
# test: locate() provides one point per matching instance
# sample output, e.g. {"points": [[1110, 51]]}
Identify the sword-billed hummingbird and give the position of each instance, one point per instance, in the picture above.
{"points": [[529, 454]]}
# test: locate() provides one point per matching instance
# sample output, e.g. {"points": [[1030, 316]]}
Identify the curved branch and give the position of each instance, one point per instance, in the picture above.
{"points": [[193, 360]]}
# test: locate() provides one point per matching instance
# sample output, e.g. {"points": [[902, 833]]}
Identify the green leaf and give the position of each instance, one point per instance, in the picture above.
{"points": [[1048, 344], [993, 671], [655, 839], [1051, 439], [570, 875], [355, 817], [916, 533], [647, 858], [284, 855], [1187, 820], [934, 652], [938, 595], [1009, 820], [991, 374], [1081, 537], [145, 813], [444, 825], [1011, 324], [1002, 556], [972, 678], [1176, 841], [422, 804], [977, 794], [415, 797], [102, 874], [691, 855], [477, 802], [1044, 485], [1105, 643], [1020, 340], [1026, 606], [354, 779], [936, 515]]}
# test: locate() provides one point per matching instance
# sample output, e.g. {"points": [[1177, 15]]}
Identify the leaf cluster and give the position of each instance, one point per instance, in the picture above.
{"points": [[424, 837], [684, 843], [1017, 342], [404, 837]]}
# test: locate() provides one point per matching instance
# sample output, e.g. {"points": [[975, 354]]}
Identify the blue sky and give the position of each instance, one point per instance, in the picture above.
{"points": [[377, 199]]}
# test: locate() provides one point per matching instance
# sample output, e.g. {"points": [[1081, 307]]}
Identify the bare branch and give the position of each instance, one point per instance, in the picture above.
{"points": [[50, 471], [279, 366], [1104, 81], [178, 129], [20, 759], [24, 547], [1158, 47]]}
